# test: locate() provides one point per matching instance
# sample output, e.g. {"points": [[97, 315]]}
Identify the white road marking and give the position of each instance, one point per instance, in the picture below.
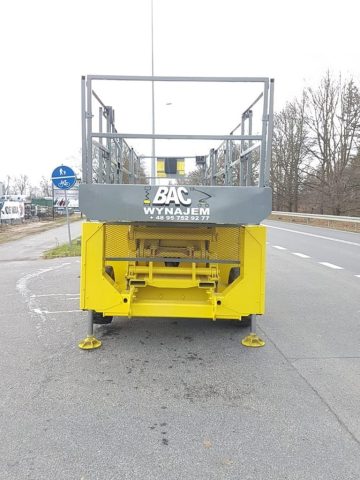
{"points": [[23, 289], [357, 276], [62, 311], [301, 255], [56, 295], [331, 265], [279, 248], [347, 242]]}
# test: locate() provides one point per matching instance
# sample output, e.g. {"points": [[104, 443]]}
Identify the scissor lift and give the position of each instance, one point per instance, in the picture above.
{"points": [[151, 249]]}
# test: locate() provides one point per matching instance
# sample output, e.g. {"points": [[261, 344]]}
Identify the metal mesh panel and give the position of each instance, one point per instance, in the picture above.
{"points": [[117, 241], [176, 233], [126, 242], [228, 243]]}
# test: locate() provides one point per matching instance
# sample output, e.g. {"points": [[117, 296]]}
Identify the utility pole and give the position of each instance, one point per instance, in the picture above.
{"points": [[153, 162]]}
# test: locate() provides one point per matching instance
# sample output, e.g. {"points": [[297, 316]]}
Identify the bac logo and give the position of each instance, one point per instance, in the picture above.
{"points": [[167, 195]]}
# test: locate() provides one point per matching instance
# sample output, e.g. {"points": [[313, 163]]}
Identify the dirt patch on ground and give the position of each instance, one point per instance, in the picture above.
{"points": [[314, 222], [15, 232]]}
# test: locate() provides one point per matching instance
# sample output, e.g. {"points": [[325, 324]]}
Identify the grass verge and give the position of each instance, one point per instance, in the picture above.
{"points": [[65, 250]]}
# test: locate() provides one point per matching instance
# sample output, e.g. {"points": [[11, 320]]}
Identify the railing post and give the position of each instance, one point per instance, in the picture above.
{"points": [[249, 155], [269, 134], [89, 159], [263, 150], [83, 131]]}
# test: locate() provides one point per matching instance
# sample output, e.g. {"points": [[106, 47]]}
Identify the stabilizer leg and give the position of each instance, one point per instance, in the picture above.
{"points": [[252, 340], [90, 342]]}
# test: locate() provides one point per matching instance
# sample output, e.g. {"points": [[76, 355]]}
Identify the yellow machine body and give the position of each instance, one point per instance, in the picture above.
{"points": [[214, 272]]}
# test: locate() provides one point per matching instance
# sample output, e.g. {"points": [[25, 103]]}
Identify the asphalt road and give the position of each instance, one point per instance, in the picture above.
{"points": [[32, 246], [180, 399]]}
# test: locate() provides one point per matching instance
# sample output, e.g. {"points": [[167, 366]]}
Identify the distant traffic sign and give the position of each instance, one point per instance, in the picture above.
{"points": [[63, 177]]}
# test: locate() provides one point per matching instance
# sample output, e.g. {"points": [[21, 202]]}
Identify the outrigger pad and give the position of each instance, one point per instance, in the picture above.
{"points": [[89, 343], [253, 341]]}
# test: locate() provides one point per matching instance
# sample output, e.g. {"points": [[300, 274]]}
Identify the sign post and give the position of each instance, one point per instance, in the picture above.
{"points": [[64, 178]]}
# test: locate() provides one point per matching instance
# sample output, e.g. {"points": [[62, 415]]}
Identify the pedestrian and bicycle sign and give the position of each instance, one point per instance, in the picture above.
{"points": [[63, 177]]}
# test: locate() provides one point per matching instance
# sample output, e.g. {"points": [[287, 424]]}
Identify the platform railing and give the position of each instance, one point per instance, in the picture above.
{"points": [[114, 161]]}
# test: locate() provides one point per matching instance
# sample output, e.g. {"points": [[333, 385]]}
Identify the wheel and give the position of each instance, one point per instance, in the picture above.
{"points": [[244, 321], [98, 319], [233, 274], [97, 316], [110, 271]]}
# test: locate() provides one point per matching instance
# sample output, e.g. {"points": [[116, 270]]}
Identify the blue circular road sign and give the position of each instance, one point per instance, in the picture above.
{"points": [[63, 177]]}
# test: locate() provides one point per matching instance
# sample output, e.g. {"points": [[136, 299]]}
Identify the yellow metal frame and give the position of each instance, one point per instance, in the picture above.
{"points": [[191, 289]]}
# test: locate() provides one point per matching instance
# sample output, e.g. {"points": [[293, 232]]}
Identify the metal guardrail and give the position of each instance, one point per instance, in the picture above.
{"points": [[315, 216]]}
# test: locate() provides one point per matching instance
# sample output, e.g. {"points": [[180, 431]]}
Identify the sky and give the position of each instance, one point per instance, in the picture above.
{"points": [[46, 46]]}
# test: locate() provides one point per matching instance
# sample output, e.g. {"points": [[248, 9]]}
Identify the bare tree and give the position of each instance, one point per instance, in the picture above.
{"points": [[8, 187], [45, 187], [21, 184], [35, 191], [334, 122], [289, 157], [195, 177], [351, 204]]}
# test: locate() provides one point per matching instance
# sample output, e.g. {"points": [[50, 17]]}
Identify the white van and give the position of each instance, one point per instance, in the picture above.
{"points": [[11, 210]]}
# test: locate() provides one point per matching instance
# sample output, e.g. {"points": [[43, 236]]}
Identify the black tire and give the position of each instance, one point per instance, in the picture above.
{"points": [[244, 322], [110, 271], [233, 274], [98, 317]]}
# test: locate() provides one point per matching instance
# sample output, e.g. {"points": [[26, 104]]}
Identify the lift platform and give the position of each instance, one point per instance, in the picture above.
{"points": [[155, 245]]}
